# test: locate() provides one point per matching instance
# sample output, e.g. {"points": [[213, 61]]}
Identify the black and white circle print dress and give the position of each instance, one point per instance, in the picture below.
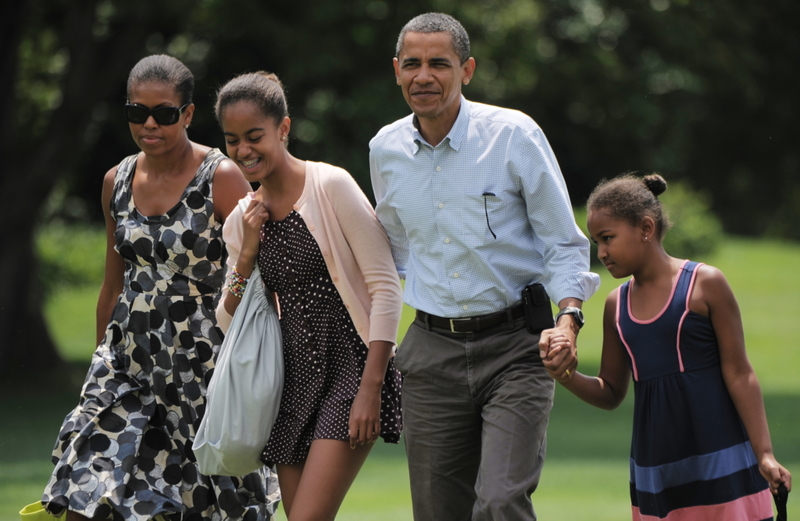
{"points": [[125, 451], [323, 355]]}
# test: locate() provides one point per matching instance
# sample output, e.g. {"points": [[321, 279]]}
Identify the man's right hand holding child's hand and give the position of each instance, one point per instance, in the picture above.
{"points": [[557, 354]]}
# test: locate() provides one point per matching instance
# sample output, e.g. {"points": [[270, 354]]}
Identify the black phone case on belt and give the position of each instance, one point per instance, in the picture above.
{"points": [[536, 305]]}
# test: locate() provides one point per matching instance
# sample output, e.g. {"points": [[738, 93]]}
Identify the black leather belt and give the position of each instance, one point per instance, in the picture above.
{"points": [[471, 324]]}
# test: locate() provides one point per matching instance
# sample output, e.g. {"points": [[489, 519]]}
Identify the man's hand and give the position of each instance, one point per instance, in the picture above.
{"points": [[558, 352]]}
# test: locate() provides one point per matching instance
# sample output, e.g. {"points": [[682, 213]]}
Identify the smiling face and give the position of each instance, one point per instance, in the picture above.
{"points": [[620, 246], [430, 75], [152, 138], [254, 141]]}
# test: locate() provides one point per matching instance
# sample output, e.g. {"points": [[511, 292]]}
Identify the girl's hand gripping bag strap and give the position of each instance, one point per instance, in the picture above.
{"points": [[245, 390]]}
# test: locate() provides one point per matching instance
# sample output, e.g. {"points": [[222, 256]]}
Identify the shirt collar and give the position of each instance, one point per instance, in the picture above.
{"points": [[456, 134]]}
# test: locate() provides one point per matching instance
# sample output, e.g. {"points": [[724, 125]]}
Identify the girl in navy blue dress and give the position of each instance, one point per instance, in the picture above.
{"points": [[701, 447]]}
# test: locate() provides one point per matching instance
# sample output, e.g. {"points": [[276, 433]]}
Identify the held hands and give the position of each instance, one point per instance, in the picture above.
{"points": [[558, 352], [365, 417], [774, 473]]}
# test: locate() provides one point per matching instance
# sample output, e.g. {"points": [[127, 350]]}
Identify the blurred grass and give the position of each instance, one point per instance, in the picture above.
{"points": [[70, 255], [585, 477]]}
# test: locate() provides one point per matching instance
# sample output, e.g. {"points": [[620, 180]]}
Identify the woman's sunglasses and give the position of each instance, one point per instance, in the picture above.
{"points": [[163, 115]]}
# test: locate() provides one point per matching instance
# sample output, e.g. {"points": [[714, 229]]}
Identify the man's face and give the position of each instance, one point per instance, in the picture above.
{"points": [[430, 75]]}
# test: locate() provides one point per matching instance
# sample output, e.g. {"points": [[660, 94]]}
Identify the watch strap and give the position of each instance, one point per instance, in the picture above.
{"points": [[577, 315]]}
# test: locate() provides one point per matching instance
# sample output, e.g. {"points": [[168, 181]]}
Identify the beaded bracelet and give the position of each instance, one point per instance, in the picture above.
{"points": [[236, 283]]}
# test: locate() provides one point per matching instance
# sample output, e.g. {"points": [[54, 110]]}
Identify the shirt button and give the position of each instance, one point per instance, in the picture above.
{"points": [[465, 307], [441, 205], [336, 279], [311, 228], [438, 169], [455, 275], [447, 241], [325, 253]]}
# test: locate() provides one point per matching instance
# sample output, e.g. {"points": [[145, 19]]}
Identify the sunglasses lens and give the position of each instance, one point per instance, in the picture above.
{"points": [[136, 114], [166, 115], [163, 116]]}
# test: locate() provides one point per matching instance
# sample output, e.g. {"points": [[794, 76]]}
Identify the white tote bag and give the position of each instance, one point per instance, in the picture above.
{"points": [[245, 390]]}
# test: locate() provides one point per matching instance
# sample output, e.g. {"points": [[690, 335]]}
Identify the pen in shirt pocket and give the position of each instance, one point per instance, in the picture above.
{"points": [[486, 211]]}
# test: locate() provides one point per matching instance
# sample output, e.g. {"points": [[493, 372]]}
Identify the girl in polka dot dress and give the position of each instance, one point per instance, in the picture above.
{"points": [[327, 261]]}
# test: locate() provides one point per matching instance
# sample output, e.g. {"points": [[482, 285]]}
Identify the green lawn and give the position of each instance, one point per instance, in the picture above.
{"points": [[585, 477]]}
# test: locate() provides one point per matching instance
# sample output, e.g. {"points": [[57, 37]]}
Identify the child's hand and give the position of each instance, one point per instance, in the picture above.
{"points": [[253, 219], [774, 473], [365, 417], [557, 354]]}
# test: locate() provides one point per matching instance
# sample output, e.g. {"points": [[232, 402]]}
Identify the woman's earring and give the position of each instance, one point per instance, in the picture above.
{"points": [[186, 127], [283, 138]]}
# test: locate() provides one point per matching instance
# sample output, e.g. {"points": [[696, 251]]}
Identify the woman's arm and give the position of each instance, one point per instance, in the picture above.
{"points": [[370, 247], [365, 417], [241, 234], [229, 187], [114, 272], [713, 293], [608, 389]]}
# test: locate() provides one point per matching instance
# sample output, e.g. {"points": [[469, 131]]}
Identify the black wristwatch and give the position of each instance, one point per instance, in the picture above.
{"points": [[576, 313]]}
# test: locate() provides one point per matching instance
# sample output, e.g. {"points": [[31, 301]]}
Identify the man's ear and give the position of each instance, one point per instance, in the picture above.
{"points": [[396, 65], [469, 69]]}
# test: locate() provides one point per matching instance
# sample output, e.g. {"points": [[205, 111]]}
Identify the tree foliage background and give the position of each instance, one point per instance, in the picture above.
{"points": [[702, 91]]}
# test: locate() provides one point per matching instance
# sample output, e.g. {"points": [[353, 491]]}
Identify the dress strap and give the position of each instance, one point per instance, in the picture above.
{"points": [[122, 179], [622, 315], [681, 301], [205, 174], [685, 284]]}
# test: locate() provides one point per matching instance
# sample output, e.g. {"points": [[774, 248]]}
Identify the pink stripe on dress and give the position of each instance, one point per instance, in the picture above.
{"points": [[754, 507], [666, 305], [619, 332], [685, 312]]}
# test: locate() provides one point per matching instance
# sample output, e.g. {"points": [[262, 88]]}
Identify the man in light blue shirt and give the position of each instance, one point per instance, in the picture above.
{"points": [[476, 209]]}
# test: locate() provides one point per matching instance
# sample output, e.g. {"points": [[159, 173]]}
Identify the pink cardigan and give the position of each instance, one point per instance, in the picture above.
{"points": [[353, 244]]}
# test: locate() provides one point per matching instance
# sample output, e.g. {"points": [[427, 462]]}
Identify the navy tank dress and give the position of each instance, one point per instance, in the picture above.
{"points": [[690, 456]]}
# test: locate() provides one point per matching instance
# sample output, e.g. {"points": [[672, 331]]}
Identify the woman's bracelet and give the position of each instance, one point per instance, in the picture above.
{"points": [[236, 283]]}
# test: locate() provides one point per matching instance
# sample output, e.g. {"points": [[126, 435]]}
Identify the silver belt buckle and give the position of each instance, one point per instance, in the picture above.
{"points": [[453, 324]]}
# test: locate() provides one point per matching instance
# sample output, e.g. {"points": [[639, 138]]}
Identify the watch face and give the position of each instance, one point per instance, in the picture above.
{"points": [[575, 312]]}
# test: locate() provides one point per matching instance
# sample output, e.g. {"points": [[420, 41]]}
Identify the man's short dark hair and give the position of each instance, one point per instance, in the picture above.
{"points": [[438, 23]]}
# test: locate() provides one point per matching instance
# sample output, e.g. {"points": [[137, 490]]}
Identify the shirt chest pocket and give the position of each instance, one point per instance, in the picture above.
{"points": [[480, 218]]}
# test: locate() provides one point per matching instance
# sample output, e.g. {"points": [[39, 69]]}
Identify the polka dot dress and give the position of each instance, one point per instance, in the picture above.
{"points": [[125, 452], [324, 356]]}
